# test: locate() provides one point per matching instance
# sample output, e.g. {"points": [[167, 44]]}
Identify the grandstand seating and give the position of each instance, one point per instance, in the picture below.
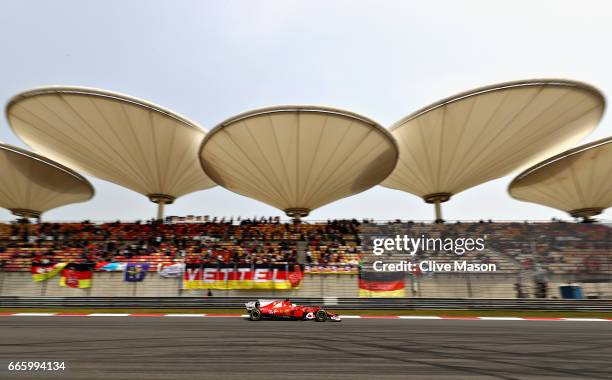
{"points": [[555, 247]]}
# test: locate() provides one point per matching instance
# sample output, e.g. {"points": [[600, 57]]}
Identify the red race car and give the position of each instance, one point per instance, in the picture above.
{"points": [[286, 310]]}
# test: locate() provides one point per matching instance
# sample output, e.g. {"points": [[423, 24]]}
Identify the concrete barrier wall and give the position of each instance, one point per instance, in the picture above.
{"points": [[441, 285]]}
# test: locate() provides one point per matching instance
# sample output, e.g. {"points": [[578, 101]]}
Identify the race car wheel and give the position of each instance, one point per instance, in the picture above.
{"points": [[255, 315], [321, 316]]}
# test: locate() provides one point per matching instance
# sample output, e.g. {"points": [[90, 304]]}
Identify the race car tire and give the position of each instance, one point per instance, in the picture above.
{"points": [[321, 316], [255, 315]]}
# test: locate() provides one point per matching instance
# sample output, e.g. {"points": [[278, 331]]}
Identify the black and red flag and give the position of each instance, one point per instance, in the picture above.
{"points": [[77, 275], [374, 284]]}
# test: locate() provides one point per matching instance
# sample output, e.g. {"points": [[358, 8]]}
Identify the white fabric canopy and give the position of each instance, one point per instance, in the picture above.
{"points": [[578, 181], [487, 133], [298, 158], [30, 183], [112, 136]]}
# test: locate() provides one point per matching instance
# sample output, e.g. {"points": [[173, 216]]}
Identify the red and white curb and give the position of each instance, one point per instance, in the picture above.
{"points": [[405, 317]]}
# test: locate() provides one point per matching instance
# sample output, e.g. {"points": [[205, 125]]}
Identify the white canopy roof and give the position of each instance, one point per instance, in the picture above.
{"points": [[489, 132], [298, 158], [31, 184], [578, 181], [112, 136]]}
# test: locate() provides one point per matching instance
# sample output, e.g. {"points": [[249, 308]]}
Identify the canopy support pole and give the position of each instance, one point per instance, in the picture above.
{"points": [[160, 210], [297, 213], [162, 200], [438, 209], [586, 214], [437, 199]]}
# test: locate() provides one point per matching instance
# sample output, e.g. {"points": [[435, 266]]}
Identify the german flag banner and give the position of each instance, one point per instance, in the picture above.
{"points": [[77, 275], [242, 276], [44, 271], [381, 284]]}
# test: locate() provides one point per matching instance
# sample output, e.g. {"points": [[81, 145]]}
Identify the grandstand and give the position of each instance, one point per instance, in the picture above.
{"points": [[557, 247], [522, 251], [153, 242]]}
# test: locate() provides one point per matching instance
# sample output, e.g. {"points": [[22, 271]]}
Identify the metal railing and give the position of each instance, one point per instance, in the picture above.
{"points": [[336, 303]]}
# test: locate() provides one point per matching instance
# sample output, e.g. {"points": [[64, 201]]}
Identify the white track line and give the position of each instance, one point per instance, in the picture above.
{"points": [[501, 318], [418, 317]]}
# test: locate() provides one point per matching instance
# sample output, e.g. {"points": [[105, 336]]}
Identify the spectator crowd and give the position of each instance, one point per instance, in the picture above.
{"points": [[556, 247]]}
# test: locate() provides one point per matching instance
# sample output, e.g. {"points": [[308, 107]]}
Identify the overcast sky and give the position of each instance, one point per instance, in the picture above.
{"points": [[209, 60]]}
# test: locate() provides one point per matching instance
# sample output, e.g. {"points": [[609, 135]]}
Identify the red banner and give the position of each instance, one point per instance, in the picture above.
{"points": [[242, 276]]}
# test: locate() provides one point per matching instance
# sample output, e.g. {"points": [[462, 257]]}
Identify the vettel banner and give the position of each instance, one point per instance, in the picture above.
{"points": [[242, 276]]}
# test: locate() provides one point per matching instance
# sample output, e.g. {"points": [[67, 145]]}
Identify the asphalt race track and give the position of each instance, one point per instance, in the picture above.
{"points": [[234, 348]]}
